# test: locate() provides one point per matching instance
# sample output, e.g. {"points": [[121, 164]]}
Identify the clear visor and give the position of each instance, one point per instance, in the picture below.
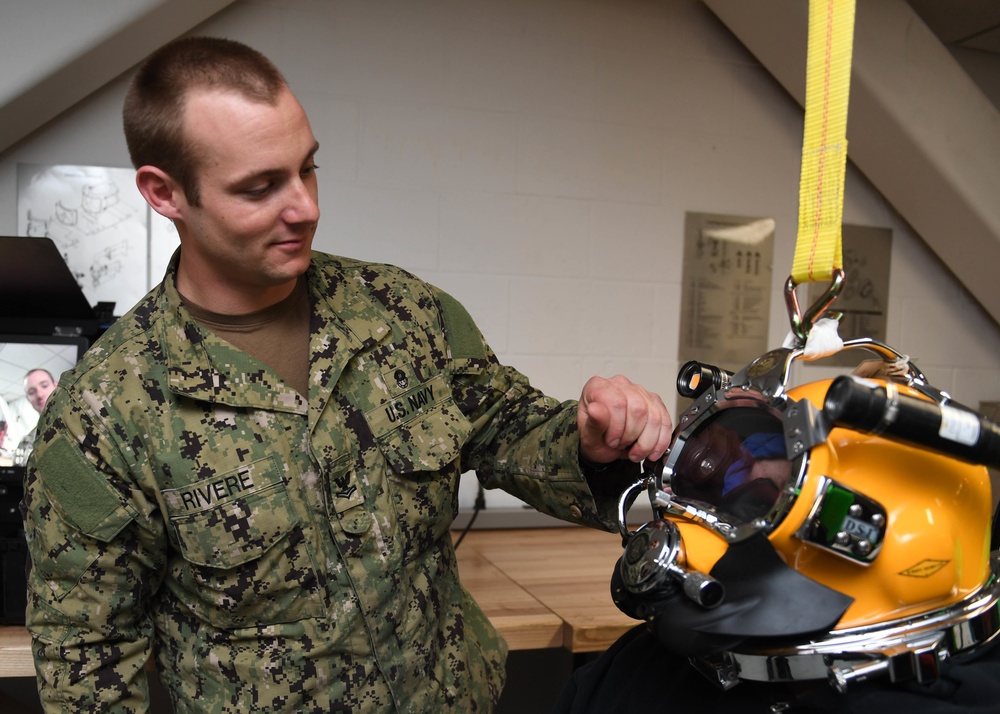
{"points": [[735, 462]]}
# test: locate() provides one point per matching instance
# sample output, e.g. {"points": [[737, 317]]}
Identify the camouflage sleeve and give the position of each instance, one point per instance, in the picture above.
{"points": [[93, 565], [523, 441]]}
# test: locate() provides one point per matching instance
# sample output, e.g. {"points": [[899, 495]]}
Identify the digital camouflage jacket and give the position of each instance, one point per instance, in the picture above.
{"points": [[276, 553]]}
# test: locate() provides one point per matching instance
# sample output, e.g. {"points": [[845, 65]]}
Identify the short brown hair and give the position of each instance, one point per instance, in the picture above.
{"points": [[153, 114], [39, 369]]}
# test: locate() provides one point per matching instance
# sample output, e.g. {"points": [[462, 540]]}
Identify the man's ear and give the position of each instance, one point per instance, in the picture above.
{"points": [[162, 193]]}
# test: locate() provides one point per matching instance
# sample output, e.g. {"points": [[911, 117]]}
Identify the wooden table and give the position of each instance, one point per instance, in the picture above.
{"points": [[15, 652], [567, 570], [540, 587], [524, 622]]}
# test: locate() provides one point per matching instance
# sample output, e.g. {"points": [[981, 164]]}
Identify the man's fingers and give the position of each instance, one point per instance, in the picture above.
{"points": [[655, 432], [620, 419]]}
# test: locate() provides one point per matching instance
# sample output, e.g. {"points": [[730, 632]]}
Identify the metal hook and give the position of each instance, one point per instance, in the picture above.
{"points": [[645, 482], [801, 323]]}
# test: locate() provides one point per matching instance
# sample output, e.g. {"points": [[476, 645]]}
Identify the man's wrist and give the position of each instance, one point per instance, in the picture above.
{"points": [[592, 467]]}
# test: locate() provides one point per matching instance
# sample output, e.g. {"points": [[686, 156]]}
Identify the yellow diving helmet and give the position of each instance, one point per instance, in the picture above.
{"points": [[840, 529]]}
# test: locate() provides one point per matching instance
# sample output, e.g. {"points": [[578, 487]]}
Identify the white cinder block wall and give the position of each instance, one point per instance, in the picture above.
{"points": [[536, 159]]}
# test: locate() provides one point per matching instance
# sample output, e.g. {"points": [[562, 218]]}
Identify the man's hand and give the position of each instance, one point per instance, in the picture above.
{"points": [[621, 420]]}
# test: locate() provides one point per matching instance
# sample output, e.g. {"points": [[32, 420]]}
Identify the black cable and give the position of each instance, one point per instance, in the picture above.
{"points": [[479, 505]]}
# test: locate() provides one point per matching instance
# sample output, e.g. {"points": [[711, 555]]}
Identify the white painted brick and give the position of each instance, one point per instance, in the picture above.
{"points": [[383, 225], [630, 86], [666, 310], [762, 108], [518, 235], [559, 79], [367, 50], [581, 317], [546, 317], [695, 33], [721, 173], [486, 71], [417, 147], [589, 160], [336, 125], [631, 241], [703, 96]]}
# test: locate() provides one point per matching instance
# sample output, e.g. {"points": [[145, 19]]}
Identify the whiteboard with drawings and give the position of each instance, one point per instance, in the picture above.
{"points": [[116, 247]]}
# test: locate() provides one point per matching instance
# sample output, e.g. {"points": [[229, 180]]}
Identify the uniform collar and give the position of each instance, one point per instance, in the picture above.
{"points": [[202, 366]]}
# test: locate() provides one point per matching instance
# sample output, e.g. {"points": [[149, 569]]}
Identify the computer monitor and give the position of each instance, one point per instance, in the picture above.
{"points": [[20, 354]]}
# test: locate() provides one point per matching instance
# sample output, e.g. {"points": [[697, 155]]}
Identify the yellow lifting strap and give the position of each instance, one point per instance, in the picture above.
{"points": [[818, 248]]}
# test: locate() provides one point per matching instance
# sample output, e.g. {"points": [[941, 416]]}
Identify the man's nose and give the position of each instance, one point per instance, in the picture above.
{"points": [[304, 204]]}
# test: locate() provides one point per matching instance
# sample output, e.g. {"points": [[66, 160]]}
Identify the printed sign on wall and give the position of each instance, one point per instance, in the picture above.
{"points": [[864, 299], [726, 290]]}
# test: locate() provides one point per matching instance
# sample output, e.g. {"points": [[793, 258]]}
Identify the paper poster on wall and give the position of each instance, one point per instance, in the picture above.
{"points": [[99, 221], [864, 299], [726, 289]]}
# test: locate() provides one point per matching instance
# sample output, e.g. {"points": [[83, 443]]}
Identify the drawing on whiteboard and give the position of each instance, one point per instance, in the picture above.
{"points": [[108, 264], [36, 226]]}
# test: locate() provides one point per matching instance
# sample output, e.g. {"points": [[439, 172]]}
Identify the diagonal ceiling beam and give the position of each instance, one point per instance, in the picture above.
{"points": [[918, 127], [50, 70]]}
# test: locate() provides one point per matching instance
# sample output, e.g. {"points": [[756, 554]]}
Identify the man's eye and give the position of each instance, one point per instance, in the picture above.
{"points": [[258, 191], [310, 169]]}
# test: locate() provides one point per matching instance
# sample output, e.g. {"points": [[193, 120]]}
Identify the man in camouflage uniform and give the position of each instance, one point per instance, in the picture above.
{"points": [[253, 473]]}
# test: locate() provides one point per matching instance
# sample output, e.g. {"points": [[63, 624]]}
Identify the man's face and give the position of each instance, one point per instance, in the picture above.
{"points": [[38, 385], [249, 239]]}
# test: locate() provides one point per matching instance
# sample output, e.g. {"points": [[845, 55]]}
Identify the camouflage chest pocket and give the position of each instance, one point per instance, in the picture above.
{"points": [[233, 517], [420, 430], [420, 434]]}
